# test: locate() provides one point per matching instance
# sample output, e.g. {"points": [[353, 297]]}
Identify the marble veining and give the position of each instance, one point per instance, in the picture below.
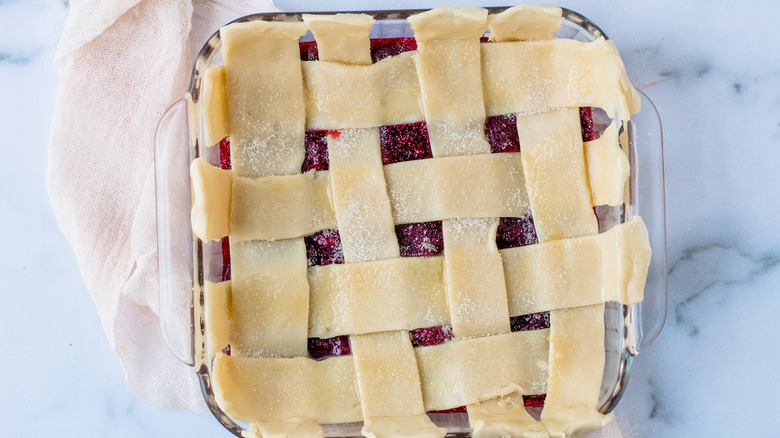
{"points": [[712, 71], [17, 58], [749, 268]]}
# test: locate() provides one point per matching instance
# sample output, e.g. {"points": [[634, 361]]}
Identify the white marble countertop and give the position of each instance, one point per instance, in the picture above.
{"points": [[712, 71]]}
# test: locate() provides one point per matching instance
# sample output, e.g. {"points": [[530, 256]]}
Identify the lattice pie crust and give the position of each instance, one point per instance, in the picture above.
{"points": [[265, 99]]}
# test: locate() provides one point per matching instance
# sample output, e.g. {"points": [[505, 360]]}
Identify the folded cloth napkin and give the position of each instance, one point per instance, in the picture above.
{"points": [[122, 63]]}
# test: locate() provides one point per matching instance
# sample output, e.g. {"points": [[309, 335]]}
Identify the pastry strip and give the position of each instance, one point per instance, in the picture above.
{"points": [[449, 67], [362, 96], [449, 70], [385, 365], [266, 107], [342, 37], [543, 75], [276, 389], [212, 93], [359, 196], [449, 23], [453, 374], [288, 206], [211, 198], [528, 77], [375, 296], [474, 278], [553, 161], [358, 188], [387, 376], [576, 368], [281, 207], [270, 293], [504, 417], [408, 293], [509, 417], [525, 22], [270, 298], [578, 272], [486, 185], [608, 168], [555, 174], [216, 297], [626, 271]]}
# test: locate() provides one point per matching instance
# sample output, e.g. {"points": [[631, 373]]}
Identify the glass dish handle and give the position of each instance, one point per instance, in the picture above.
{"points": [[174, 232], [647, 149]]}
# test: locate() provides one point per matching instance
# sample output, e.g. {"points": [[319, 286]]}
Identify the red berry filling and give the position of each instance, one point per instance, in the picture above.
{"points": [[321, 348], [381, 48], [225, 258], [324, 248], [501, 132], [586, 123], [534, 321], [516, 231], [224, 163], [534, 401], [224, 153], [404, 142], [309, 51], [421, 239], [460, 410], [425, 337], [529, 401], [316, 156], [593, 122]]}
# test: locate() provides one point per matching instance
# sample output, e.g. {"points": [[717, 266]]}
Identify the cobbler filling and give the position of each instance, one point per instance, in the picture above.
{"points": [[586, 123], [309, 51], [424, 337], [400, 143], [225, 258], [404, 142], [224, 154], [516, 231], [381, 48], [421, 239], [316, 158], [534, 321], [322, 348], [501, 132], [224, 163], [324, 248]]}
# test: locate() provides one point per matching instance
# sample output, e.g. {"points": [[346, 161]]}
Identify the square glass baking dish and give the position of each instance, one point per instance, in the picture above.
{"points": [[186, 262]]}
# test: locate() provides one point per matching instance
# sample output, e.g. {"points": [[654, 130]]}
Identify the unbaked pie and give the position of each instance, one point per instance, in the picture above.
{"points": [[408, 223]]}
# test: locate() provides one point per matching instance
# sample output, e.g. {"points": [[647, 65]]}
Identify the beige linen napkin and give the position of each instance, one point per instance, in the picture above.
{"points": [[122, 63]]}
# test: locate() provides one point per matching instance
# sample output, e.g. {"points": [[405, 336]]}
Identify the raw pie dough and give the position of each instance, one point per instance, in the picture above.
{"points": [[264, 98]]}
